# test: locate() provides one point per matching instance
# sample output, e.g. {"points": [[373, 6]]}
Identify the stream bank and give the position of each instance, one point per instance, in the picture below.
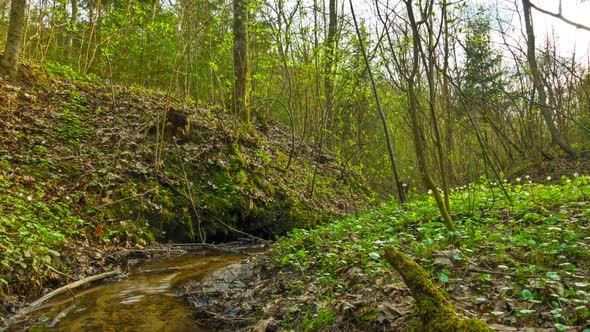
{"points": [[88, 168]]}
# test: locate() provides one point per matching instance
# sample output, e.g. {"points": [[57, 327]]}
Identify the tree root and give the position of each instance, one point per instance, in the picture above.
{"points": [[436, 313]]}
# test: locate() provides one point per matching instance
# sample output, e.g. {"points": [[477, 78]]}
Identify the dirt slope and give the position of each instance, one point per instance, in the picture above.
{"points": [[84, 167]]}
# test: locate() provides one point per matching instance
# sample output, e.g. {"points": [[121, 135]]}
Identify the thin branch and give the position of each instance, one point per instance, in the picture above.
{"points": [[561, 17]]}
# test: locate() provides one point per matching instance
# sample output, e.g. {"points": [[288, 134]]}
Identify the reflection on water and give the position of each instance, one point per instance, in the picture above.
{"points": [[145, 301]]}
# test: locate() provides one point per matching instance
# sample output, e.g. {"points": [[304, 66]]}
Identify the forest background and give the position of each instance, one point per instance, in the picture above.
{"points": [[465, 93]]}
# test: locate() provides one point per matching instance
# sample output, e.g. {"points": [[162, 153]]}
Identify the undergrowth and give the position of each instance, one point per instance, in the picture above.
{"points": [[522, 257]]}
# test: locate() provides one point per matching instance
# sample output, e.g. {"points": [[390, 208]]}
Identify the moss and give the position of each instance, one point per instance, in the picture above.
{"points": [[436, 313], [264, 185], [241, 177], [237, 160]]}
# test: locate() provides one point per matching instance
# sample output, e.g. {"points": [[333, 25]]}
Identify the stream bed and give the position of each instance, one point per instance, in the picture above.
{"points": [[146, 300]]}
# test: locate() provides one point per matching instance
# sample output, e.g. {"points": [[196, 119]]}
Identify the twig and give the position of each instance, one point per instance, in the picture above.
{"points": [[58, 272], [73, 295], [126, 198], [169, 183], [474, 269]]}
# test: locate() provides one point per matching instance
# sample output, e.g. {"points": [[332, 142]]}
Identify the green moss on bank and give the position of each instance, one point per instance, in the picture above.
{"points": [[82, 168]]}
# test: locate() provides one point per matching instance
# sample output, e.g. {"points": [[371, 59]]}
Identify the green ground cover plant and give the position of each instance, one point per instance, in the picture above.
{"points": [[520, 255]]}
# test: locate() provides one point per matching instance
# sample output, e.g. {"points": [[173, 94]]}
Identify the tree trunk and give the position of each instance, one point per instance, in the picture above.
{"points": [[420, 143], [328, 77], [447, 105], [401, 192], [546, 110], [241, 99], [9, 62], [72, 30]]}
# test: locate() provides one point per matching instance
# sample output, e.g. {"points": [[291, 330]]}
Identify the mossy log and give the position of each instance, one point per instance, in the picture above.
{"points": [[436, 313]]}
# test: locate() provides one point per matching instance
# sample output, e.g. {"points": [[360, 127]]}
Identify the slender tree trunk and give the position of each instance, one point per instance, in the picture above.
{"points": [[417, 130], [73, 28], [328, 77], [400, 189], [429, 63], [447, 106], [546, 110], [241, 90], [9, 62]]}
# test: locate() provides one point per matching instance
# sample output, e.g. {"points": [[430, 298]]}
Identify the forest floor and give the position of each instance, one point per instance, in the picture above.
{"points": [[522, 264], [85, 182], [85, 175]]}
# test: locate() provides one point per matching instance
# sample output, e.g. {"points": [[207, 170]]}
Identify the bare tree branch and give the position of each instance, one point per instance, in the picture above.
{"points": [[560, 16]]}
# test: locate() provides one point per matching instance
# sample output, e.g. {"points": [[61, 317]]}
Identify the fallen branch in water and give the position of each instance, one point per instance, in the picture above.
{"points": [[67, 288], [221, 248]]}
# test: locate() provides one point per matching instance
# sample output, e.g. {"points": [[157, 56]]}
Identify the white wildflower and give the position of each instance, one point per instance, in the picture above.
{"points": [[518, 179], [549, 178], [429, 191]]}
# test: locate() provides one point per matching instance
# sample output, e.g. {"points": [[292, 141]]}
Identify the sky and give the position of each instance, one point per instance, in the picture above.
{"points": [[568, 37]]}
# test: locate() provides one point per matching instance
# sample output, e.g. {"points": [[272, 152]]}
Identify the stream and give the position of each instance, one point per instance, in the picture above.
{"points": [[146, 300]]}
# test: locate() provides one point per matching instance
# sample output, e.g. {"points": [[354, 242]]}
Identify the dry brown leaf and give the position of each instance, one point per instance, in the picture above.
{"points": [[28, 179], [265, 325], [388, 312]]}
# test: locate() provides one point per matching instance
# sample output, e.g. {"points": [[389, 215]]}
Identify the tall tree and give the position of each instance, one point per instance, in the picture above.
{"points": [[401, 193], [73, 27], [241, 98], [546, 110], [418, 130], [9, 62], [330, 52]]}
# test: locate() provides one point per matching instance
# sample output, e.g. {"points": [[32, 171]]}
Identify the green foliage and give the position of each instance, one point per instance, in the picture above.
{"points": [[32, 232], [539, 238], [60, 70]]}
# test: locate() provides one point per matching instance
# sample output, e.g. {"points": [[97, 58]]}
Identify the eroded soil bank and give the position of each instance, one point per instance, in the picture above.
{"points": [[88, 169]]}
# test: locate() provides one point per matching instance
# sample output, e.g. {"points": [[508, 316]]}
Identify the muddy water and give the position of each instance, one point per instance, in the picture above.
{"points": [[146, 300]]}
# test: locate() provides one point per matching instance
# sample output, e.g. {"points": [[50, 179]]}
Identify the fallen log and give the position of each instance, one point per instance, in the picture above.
{"points": [[435, 312]]}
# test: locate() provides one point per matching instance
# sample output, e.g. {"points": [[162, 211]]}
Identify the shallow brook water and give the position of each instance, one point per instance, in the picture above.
{"points": [[146, 300]]}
